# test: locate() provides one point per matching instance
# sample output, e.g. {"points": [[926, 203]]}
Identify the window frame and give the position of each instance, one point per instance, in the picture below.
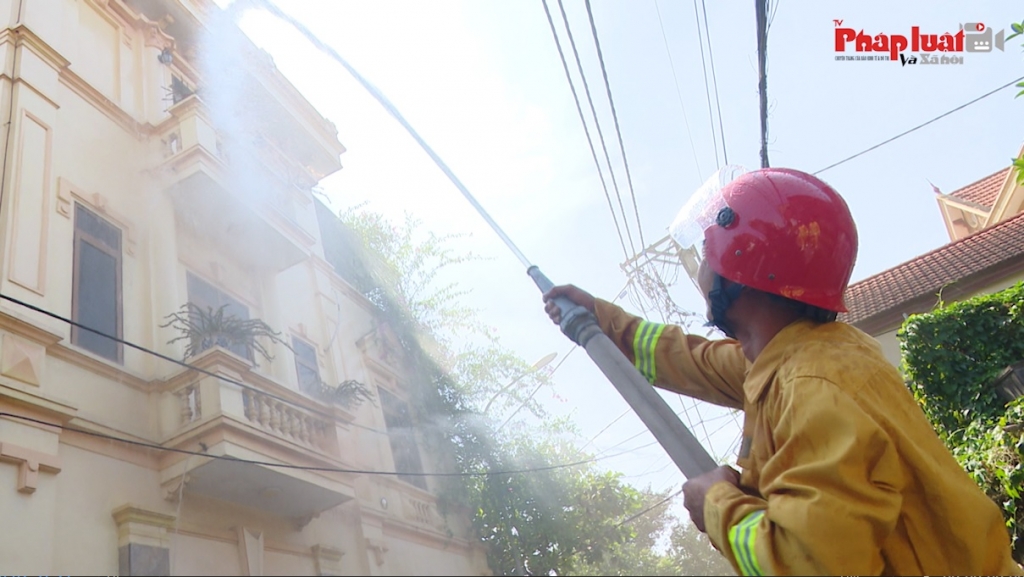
{"points": [[221, 296], [296, 343], [398, 436], [79, 237]]}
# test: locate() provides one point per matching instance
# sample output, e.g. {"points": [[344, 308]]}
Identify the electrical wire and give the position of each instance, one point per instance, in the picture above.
{"points": [[551, 373], [679, 94], [535, 391], [183, 363], [606, 427], [707, 86], [599, 456], [919, 126], [714, 78], [651, 508], [597, 125], [615, 118], [586, 129], [306, 467]]}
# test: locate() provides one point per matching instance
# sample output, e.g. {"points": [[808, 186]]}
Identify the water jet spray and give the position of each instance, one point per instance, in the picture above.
{"points": [[579, 324]]}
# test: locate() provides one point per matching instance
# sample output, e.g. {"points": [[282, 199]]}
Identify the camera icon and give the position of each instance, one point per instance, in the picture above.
{"points": [[978, 37]]}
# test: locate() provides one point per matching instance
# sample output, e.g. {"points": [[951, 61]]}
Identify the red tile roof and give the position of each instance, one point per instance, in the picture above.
{"points": [[928, 273], [984, 191]]}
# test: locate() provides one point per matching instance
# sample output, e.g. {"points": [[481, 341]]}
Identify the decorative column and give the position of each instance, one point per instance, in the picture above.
{"points": [[327, 559], [143, 541]]}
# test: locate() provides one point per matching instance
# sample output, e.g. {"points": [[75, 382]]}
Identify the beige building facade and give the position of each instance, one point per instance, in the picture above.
{"points": [[138, 177]]}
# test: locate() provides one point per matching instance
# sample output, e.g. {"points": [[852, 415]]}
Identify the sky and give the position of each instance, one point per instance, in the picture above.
{"points": [[483, 84]]}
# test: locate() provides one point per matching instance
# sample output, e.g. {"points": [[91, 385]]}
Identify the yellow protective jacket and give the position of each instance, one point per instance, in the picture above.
{"points": [[843, 473]]}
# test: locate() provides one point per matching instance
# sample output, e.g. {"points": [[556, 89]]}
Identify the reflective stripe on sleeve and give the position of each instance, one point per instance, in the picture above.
{"points": [[742, 538], [645, 341]]}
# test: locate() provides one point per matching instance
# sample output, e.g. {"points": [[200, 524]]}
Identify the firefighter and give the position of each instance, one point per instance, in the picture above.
{"points": [[842, 474]]}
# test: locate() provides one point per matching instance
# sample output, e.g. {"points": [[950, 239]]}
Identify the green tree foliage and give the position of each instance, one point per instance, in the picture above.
{"points": [[1018, 30], [951, 356], [557, 520]]}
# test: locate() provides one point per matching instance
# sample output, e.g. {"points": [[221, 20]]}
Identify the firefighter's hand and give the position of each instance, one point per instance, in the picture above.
{"points": [[695, 489], [571, 292]]}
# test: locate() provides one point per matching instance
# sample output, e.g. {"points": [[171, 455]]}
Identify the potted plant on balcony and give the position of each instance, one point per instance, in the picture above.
{"points": [[203, 329]]}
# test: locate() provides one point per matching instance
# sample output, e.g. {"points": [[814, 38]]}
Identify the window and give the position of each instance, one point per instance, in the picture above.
{"points": [[96, 284], [402, 436], [179, 90], [208, 297], [306, 366]]}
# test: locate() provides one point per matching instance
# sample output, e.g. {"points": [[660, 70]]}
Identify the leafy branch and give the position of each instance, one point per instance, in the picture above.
{"points": [[1018, 30], [204, 329], [350, 394]]}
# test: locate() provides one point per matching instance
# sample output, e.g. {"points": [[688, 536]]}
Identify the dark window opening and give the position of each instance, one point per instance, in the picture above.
{"points": [[96, 285], [209, 298], [306, 368], [402, 436], [179, 90]]}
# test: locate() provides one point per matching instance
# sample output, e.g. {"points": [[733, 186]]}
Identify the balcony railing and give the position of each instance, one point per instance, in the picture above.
{"points": [[264, 421], [286, 421]]}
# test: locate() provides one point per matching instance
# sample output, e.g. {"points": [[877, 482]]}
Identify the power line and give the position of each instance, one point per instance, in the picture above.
{"points": [[535, 391], [586, 130], [278, 398], [922, 125], [629, 451], [714, 78], [615, 117], [606, 427], [182, 363], [679, 93], [597, 124], [305, 467], [551, 373], [707, 88], [650, 508]]}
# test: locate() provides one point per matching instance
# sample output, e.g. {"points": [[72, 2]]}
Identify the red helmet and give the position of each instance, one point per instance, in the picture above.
{"points": [[784, 232]]}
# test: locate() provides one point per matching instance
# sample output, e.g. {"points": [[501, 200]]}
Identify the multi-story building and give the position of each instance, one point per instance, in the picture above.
{"points": [[153, 157]]}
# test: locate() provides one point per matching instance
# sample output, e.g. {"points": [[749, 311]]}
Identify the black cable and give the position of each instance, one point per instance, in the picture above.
{"points": [[679, 93], [183, 363], [586, 130], [651, 508], [922, 125], [597, 124], [707, 87], [304, 467], [615, 117], [535, 391], [714, 78]]}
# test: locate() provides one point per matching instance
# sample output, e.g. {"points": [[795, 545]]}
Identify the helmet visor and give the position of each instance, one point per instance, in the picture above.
{"points": [[700, 212]]}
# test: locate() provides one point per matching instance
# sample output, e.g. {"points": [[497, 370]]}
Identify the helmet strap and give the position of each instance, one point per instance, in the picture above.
{"points": [[721, 298]]}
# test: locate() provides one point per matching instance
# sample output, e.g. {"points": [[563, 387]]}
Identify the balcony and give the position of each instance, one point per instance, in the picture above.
{"points": [[206, 414], [226, 195]]}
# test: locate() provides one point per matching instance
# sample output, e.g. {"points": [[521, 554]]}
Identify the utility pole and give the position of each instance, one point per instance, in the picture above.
{"points": [[761, 8]]}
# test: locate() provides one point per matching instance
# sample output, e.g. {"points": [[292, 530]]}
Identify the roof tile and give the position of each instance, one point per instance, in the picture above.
{"points": [[984, 191], [928, 273]]}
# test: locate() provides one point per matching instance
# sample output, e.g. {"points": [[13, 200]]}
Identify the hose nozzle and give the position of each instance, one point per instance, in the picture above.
{"points": [[578, 323]]}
